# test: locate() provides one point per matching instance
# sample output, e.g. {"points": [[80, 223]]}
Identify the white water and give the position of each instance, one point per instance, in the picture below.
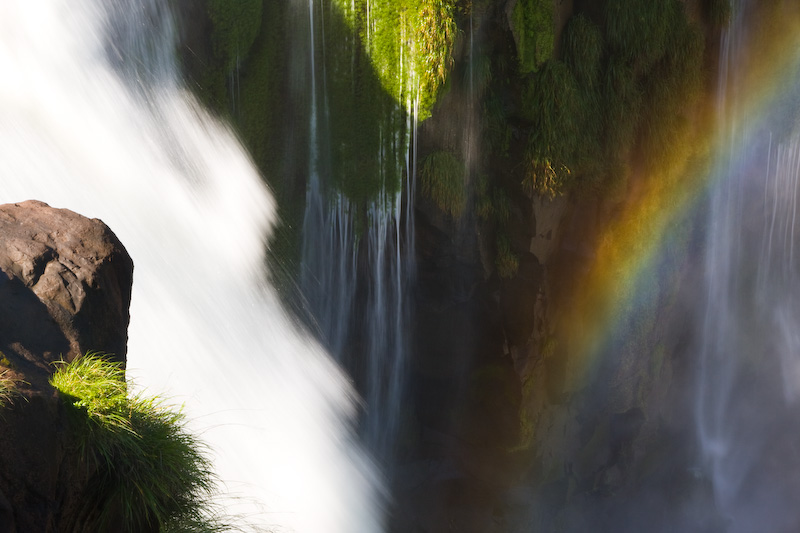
{"points": [[367, 334], [749, 370], [93, 118]]}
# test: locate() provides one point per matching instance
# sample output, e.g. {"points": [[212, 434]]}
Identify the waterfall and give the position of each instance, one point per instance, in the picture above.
{"points": [[94, 118], [356, 264], [749, 364]]}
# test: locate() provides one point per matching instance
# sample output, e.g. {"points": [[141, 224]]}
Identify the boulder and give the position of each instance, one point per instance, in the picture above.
{"points": [[65, 289]]}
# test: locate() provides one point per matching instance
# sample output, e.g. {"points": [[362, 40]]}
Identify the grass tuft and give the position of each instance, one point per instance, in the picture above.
{"points": [[149, 469], [7, 389]]}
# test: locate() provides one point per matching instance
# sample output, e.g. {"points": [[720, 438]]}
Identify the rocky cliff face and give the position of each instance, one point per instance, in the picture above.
{"points": [[496, 430], [65, 288], [507, 439]]}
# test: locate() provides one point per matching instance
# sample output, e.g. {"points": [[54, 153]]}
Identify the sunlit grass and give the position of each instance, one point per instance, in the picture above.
{"points": [[7, 388], [148, 467]]}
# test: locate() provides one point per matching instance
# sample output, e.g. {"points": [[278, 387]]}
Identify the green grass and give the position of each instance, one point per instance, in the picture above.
{"points": [[443, 182], [7, 389], [147, 466]]}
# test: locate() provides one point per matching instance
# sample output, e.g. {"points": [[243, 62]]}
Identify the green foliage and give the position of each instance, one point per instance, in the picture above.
{"points": [[149, 467], [501, 206], [673, 84], [583, 50], [496, 125], [235, 25], [7, 388], [717, 12], [544, 177], [626, 85], [409, 44], [551, 104], [483, 202], [623, 97], [638, 30], [443, 181], [506, 261], [535, 33]]}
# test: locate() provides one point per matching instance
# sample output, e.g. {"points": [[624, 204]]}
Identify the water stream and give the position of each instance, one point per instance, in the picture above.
{"points": [[749, 364], [94, 118], [356, 262]]}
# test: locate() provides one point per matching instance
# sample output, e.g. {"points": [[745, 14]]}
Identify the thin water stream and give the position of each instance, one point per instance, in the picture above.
{"points": [[749, 359]]}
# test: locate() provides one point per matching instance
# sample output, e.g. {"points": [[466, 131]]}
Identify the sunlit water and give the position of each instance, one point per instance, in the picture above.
{"points": [[749, 366], [94, 118]]}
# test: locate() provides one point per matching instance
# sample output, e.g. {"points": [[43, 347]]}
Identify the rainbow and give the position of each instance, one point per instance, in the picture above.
{"points": [[624, 269]]}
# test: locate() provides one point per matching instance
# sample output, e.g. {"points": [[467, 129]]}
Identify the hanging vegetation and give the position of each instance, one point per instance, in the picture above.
{"points": [[409, 43], [443, 182], [534, 33], [623, 83]]}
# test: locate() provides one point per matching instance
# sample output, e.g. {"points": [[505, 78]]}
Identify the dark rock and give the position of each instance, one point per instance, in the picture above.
{"points": [[65, 288]]}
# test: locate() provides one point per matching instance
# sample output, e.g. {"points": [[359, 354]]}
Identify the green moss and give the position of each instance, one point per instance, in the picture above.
{"points": [[214, 70], [257, 115], [534, 31], [672, 88], [497, 130], [625, 86], [506, 261], [623, 97], [409, 44], [583, 50], [551, 100], [147, 466], [235, 25], [638, 30], [443, 181], [717, 12], [483, 201]]}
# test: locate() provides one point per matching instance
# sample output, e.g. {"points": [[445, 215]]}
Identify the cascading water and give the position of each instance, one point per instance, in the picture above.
{"points": [[355, 272], [93, 118], [749, 370]]}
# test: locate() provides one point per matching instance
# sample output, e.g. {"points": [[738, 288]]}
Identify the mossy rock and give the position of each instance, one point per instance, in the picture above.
{"points": [[409, 44], [443, 182], [534, 32]]}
